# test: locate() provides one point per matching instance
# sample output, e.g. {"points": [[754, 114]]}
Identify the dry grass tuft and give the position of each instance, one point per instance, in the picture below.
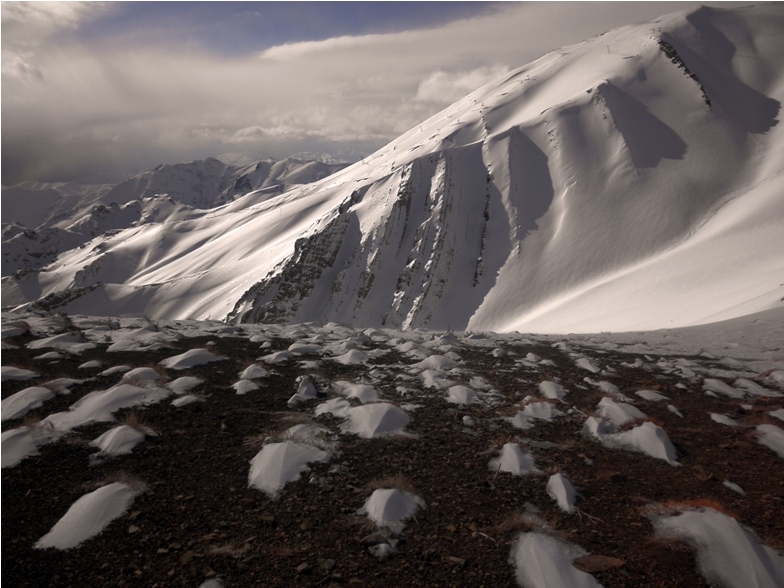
{"points": [[398, 481], [76, 440], [122, 477], [255, 442], [523, 522], [637, 422], [54, 389], [673, 507], [136, 421], [677, 544], [31, 420], [569, 443]]}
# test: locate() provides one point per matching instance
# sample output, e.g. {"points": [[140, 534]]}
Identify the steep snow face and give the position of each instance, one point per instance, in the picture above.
{"points": [[628, 182]]}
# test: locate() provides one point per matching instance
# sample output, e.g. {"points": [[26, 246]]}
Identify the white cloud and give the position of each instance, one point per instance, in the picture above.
{"points": [[293, 51], [446, 88]]}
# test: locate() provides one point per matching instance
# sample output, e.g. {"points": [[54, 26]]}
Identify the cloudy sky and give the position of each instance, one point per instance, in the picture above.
{"points": [[92, 87]]}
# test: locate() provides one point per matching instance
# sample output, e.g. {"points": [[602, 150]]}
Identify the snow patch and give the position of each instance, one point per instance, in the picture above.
{"points": [[89, 515], [189, 359], [390, 507], [277, 464], [514, 461], [543, 561], [728, 554]]}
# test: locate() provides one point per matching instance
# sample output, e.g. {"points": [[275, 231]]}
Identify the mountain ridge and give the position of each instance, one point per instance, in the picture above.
{"points": [[626, 182]]}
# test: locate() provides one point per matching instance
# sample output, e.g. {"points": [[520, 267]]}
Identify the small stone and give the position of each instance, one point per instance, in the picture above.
{"points": [[162, 551], [209, 572], [133, 529], [456, 560], [268, 520], [186, 557], [451, 528], [306, 526], [303, 567], [325, 564], [597, 563], [608, 475]]}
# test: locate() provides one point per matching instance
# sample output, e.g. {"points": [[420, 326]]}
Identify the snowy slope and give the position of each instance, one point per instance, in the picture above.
{"points": [[627, 182]]}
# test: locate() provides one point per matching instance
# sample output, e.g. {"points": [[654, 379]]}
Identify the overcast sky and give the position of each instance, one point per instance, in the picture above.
{"points": [[90, 87]]}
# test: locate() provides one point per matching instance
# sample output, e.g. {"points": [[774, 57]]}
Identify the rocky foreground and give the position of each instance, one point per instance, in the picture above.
{"points": [[489, 422]]}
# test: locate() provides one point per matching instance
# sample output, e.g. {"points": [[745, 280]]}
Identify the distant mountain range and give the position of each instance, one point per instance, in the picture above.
{"points": [[41, 220], [632, 181]]}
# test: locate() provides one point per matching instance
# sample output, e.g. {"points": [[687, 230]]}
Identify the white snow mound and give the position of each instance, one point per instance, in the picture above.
{"points": [[542, 561], [375, 420], [646, 438], [244, 386], [18, 444], [619, 413], [552, 390], [461, 395], [513, 460], [728, 555], [118, 441], [562, 491], [98, 406], [542, 410], [772, 437], [189, 359], [277, 464], [15, 373], [19, 404], [389, 507], [88, 516]]}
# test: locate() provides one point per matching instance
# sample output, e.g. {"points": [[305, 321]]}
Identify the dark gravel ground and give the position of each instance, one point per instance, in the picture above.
{"points": [[198, 518]]}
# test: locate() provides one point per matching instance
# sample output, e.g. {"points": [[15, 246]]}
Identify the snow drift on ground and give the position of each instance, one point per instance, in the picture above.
{"points": [[631, 181], [89, 515], [728, 554]]}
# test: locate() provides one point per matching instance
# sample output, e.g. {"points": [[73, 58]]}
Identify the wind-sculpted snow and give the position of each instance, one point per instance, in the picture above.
{"points": [[89, 515], [277, 464], [728, 554], [542, 560], [628, 182], [389, 507]]}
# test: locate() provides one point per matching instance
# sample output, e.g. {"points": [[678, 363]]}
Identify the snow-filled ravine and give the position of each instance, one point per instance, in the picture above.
{"points": [[187, 452]]}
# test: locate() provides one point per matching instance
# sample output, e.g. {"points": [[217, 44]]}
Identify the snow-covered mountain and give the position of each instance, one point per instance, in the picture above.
{"points": [[632, 181], [41, 220]]}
